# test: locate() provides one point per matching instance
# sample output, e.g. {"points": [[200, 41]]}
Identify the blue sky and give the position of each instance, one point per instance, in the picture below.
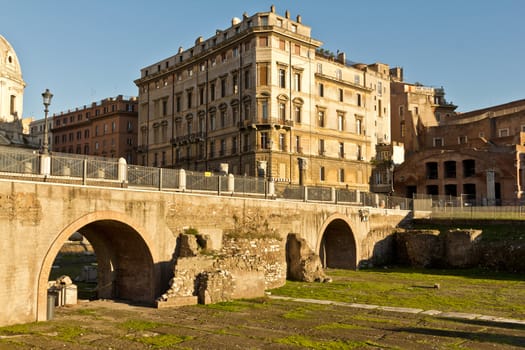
{"points": [[84, 51]]}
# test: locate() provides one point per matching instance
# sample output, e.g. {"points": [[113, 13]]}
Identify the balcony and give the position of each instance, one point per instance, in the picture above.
{"points": [[195, 137]]}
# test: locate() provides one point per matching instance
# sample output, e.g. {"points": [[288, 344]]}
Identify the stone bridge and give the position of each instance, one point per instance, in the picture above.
{"points": [[134, 234]]}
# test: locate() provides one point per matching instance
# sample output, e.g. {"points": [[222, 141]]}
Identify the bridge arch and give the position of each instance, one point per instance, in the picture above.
{"points": [[337, 244], [125, 262]]}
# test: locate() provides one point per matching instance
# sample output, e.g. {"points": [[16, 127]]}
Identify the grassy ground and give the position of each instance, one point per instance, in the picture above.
{"points": [[471, 291], [278, 324]]}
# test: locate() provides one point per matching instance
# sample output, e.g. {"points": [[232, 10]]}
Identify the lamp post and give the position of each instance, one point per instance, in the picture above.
{"points": [[46, 96]]}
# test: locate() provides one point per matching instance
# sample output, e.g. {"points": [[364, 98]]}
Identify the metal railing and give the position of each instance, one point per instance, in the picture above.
{"points": [[84, 170]]}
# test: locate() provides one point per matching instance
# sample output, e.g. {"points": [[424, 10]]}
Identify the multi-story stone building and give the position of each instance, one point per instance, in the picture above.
{"points": [[415, 107], [36, 131], [478, 156], [107, 128], [262, 98]]}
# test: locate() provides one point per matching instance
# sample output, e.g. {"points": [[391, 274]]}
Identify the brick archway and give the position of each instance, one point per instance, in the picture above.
{"points": [[125, 263], [337, 244]]}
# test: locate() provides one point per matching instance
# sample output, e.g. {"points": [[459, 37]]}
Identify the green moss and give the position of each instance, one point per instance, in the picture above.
{"points": [[18, 329], [338, 325], [459, 290], [69, 333], [305, 342], [139, 325], [163, 340]]}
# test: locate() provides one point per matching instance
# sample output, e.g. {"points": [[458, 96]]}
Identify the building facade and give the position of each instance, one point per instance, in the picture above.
{"points": [[36, 131], [415, 107], [107, 128], [478, 156], [262, 98]]}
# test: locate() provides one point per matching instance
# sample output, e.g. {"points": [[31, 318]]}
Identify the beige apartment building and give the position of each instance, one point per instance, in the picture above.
{"points": [[261, 98], [107, 128]]}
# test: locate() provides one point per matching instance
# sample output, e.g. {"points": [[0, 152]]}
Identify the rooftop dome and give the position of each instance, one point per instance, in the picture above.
{"points": [[9, 64]]}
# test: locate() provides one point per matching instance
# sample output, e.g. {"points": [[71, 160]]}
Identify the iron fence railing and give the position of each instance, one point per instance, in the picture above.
{"points": [[91, 170], [143, 176], [19, 162]]}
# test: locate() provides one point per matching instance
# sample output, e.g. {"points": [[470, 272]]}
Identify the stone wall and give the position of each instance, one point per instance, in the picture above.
{"points": [[241, 268]]}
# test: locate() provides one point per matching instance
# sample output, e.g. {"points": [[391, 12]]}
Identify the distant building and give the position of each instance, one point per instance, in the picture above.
{"points": [[12, 127], [36, 131], [415, 107], [107, 128], [478, 156], [263, 98]]}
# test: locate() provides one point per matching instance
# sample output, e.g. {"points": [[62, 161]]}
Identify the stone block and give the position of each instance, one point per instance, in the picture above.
{"points": [[177, 301]]}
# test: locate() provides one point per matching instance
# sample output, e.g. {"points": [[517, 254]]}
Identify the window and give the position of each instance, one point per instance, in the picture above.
{"points": [[321, 147], [462, 140], [282, 44], [113, 126], [357, 79], [449, 169], [223, 87], [340, 122], [298, 147], [379, 88], [321, 119], [178, 103], [212, 91], [246, 79], [212, 148], [282, 142], [438, 142], [431, 170], [282, 111], [282, 78], [189, 96], [222, 151], [263, 74], [321, 89], [358, 126], [235, 83], [212, 121], [279, 22], [503, 132], [402, 129], [338, 74], [297, 82], [263, 41], [321, 174], [358, 96], [223, 118], [297, 49], [402, 112], [297, 112], [264, 140], [264, 108], [319, 68], [341, 149], [341, 175], [294, 28], [469, 167], [341, 95], [235, 52], [264, 20], [201, 95], [234, 145]]}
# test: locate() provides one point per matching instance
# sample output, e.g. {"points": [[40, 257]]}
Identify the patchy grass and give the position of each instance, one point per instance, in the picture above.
{"points": [[338, 325], [139, 325], [69, 333], [229, 306], [305, 342], [162, 340], [503, 294]]}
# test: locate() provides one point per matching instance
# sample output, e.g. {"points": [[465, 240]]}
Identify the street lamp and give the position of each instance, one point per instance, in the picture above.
{"points": [[46, 96]]}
